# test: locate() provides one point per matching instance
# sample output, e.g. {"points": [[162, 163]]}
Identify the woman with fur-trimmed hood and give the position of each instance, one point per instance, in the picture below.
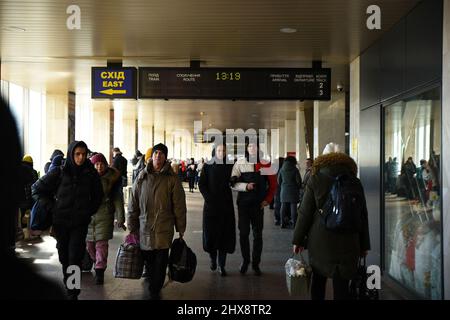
{"points": [[331, 255]]}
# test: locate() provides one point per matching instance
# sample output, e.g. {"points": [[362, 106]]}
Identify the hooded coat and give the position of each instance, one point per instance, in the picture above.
{"points": [[156, 206], [329, 252], [102, 222], [54, 154], [76, 190], [219, 226], [290, 182]]}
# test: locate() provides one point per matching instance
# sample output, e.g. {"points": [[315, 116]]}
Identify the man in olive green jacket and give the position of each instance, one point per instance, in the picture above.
{"points": [[157, 205], [331, 255]]}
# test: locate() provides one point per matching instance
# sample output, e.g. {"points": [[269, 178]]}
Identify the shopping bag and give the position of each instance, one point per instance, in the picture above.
{"points": [[298, 277], [129, 262]]}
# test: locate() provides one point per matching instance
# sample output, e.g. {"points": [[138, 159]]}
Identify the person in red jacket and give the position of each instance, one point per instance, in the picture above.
{"points": [[256, 190]]}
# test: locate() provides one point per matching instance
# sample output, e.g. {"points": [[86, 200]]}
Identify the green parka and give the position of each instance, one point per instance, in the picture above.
{"points": [[329, 252], [156, 207], [102, 222]]}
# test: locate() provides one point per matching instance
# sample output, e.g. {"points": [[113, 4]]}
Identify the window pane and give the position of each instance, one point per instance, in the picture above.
{"points": [[412, 193]]}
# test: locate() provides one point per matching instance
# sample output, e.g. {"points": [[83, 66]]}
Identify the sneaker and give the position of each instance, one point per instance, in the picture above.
{"points": [[213, 266]]}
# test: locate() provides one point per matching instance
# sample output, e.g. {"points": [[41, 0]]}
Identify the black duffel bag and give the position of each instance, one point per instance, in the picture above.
{"points": [[182, 262]]}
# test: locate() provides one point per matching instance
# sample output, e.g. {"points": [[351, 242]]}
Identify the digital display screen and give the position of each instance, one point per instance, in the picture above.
{"points": [[234, 83]]}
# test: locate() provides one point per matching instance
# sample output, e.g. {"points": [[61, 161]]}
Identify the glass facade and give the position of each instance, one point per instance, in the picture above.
{"points": [[412, 189]]}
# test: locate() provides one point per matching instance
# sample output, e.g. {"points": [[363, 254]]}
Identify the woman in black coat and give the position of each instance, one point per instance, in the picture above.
{"points": [[219, 227]]}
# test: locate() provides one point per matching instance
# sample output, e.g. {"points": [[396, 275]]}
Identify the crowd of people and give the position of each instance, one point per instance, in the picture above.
{"points": [[87, 201]]}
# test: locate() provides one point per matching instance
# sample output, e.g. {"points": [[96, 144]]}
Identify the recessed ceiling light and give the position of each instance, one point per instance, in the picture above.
{"points": [[202, 113], [14, 29], [288, 30], [254, 115], [260, 102]]}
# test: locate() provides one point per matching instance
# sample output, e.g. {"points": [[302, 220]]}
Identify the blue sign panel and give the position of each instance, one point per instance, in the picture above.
{"points": [[114, 83]]}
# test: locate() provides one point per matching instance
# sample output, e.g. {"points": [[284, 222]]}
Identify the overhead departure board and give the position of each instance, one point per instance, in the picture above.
{"points": [[234, 83]]}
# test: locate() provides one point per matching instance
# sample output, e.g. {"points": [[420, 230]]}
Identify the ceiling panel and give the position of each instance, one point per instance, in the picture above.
{"points": [[50, 58]]}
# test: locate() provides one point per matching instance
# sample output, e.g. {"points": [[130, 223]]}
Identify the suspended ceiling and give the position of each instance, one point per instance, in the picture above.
{"points": [[48, 57]]}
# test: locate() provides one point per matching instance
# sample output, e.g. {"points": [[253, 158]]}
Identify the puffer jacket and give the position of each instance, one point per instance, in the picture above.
{"points": [[329, 252], [76, 191], [102, 222], [156, 207]]}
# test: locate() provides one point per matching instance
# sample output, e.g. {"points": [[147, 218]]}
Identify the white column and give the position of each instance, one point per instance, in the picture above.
{"points": [[145, 132], [125, 127], [354, 108], [55, 124], [289, 136], [275, 143], [300, 142], [329, 122], [281, 144], [101, 128], [445, 149]]}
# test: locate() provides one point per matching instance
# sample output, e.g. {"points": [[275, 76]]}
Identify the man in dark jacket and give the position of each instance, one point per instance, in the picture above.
{"points": [[331, 254], [28, 176], [256, 191], [157, 206], [77, 192], [120, 163]]}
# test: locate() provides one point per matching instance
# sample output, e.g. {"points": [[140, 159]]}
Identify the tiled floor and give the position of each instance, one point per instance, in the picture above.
{"points": [[206, 285]]}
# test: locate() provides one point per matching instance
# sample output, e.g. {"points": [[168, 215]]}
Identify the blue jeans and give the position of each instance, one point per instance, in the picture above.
{"points": [[288, 213]]}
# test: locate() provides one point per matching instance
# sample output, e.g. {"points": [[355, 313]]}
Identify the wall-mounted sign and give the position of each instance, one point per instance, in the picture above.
{"points": [[114, 83], [234, 83]]}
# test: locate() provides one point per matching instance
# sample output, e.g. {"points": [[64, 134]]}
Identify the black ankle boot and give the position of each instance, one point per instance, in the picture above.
{"points": [[222, 271], [99, 276]]}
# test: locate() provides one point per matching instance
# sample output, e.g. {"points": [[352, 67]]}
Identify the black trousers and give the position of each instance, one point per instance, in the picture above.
{"points": [[254, 216], [156, 261], [71, 245], [318, 286], [222, 257]]}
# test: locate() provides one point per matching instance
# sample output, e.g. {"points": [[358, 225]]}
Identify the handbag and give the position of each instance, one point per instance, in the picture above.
{"points": [[298, 277], [358, 285]]}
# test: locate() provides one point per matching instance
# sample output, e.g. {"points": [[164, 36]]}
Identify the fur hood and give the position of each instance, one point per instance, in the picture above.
{"points": [[334, 159]]}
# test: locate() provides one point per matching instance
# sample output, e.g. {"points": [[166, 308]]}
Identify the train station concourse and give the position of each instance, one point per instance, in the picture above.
{"points": [[225, 150]]}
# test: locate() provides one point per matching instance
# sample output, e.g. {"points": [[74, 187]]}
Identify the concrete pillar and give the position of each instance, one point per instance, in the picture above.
{"points": [[445, 149], [300, 138], [290, 137], [354, 108], [145, 131], [101, 128], [329, 122], [125, 116], [281, 144], [54, 124]]}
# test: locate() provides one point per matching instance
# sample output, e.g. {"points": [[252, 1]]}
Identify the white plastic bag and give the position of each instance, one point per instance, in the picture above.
{"points": [[298, 277]]}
